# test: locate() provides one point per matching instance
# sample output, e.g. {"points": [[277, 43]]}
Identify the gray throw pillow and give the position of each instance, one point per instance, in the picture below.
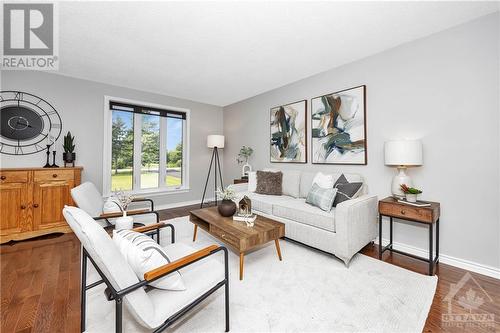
{"points": [[346, 190], [269, 183], [321, 197]]}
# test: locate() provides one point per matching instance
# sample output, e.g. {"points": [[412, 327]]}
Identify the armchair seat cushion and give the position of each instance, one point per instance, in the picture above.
{"points": [[198, 279]]}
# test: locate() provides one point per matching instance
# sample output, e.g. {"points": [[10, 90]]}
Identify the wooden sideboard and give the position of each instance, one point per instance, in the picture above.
{"points": [[32, 199]]}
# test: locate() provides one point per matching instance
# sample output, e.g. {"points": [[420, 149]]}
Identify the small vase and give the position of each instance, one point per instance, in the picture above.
{"points": [[226, 208], [124, 222], [411, 197]]}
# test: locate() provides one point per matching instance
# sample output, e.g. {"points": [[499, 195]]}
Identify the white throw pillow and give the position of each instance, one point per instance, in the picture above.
{"points": [[324, 181], [144, 254], [252, 181]]}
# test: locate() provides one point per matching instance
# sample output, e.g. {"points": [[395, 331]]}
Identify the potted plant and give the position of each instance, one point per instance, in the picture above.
{"points": [[243, 156], [69, 155], [226, 207], [123, 200], [411, 193]]}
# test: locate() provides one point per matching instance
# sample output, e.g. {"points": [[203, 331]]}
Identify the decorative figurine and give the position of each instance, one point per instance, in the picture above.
{"points": [[245, 206]]}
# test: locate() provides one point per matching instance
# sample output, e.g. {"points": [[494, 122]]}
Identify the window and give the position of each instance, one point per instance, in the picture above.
{"points": [[148, 147]]}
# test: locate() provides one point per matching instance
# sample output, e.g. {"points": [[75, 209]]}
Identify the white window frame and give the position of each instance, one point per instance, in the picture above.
{"points": [[107, 149]]}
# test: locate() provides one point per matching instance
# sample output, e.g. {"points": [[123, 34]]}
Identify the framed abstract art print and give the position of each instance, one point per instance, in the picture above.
{"points": [[288, 125], [338, 127]]}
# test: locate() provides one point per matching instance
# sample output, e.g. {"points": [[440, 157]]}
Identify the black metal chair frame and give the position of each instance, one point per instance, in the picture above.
{"points": [[118, 295], [152, 211]]}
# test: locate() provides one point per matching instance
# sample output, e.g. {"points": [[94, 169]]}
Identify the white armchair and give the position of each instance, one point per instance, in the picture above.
{"points": [[87, 197], [156, 309]]}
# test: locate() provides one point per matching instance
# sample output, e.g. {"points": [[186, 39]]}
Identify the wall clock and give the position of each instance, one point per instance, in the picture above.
{"points": [[28, 123]]}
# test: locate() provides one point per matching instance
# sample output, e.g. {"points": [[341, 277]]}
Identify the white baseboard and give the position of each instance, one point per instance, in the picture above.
{"points": [[446, 259], [181, 204]]}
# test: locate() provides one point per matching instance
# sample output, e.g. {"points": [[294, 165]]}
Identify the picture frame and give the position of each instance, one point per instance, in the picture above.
{"points": [[288, 133], [338, 127]]}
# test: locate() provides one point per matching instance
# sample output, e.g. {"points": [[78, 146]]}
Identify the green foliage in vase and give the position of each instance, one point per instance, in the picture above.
{"points": [[68, 145], [410, 190], [244, 154]]}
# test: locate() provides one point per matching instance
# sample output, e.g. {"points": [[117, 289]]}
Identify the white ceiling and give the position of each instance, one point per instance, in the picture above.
{"points": [[224, 52]]}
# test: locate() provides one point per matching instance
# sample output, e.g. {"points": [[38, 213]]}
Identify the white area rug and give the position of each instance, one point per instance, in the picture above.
{"points": [[307, 292]]}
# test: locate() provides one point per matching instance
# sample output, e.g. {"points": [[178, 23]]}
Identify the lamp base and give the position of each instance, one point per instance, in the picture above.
{"points": [[400, 178]]}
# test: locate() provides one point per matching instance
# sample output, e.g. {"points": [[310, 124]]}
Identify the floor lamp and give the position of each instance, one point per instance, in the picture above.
{"points": [[215, 142]]}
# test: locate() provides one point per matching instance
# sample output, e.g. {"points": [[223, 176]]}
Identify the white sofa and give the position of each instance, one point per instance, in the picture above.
{"points": [[343, 231]]}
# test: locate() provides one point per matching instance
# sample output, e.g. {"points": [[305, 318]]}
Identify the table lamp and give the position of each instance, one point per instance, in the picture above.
{"points": [[402, 154]]}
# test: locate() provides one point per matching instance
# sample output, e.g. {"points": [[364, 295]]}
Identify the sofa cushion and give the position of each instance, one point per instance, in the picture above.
{"points": [[261, 202], [346, 190], [321, 197], [299, 211], [291, 183], [252, 181], [306, 181], [323, 181], [269, 183]]}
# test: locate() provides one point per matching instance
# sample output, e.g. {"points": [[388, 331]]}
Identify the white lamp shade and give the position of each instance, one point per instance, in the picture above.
{"points": [[215, 141], [403, 152]]}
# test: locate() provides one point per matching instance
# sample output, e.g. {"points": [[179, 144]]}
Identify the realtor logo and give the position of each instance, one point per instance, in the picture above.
{"points": [[30, 36], [465, 301]]}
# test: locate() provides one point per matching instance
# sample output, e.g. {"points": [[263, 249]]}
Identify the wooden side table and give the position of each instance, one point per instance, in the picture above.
{"points": [[429, 215], [240, 181]]}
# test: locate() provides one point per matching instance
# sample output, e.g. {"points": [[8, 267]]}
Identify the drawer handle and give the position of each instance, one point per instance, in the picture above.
{"points": [[23, 207], [403, 212], [35, 205], [3, 178], [54, 175]]}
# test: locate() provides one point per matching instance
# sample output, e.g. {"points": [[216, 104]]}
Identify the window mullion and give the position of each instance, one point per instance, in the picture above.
{"points": [[137, 152], [163, 152]]}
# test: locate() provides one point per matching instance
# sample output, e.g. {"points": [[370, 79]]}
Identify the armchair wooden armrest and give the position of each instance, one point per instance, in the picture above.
{"points": [[120, 214], [150, 227], [179, 263]]}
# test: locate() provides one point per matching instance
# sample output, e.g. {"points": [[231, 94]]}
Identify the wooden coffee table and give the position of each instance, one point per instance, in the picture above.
{"points": [[236, 234]]}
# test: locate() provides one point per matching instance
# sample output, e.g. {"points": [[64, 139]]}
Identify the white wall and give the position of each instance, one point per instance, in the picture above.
{"points": [[443, 89], [81, 105]]}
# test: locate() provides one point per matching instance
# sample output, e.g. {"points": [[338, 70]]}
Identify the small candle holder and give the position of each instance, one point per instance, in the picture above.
{"points": [[54, 165], [47, 165]]}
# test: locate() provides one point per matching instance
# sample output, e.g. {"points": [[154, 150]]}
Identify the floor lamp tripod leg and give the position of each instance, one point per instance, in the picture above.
{"points": [[220, 172], [208, 177]]}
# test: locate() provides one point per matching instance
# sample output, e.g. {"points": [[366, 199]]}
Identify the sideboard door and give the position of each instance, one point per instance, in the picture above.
{"points": [[15, 208], [49, 199]]}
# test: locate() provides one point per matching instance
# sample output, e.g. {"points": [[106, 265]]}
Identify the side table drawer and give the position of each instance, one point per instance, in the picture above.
{"points": [[406, 212], [225, 237]]}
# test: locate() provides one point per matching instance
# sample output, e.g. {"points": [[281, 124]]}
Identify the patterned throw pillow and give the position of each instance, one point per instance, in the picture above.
{"points": [[144, 254], [346, 190], [269, 183], [321, 197]]}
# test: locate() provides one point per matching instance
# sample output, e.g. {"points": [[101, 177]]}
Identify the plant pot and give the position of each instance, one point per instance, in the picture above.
{"points": [[124, 222], [227, 208], [69, 157], [411, 197]]}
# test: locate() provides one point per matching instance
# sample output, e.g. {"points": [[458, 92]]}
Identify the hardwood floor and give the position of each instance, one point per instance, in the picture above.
{"points": [[40, 281]]}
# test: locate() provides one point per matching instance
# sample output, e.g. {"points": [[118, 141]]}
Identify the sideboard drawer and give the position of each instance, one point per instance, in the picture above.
{"points": [[406, 212], [224, 236], [54, 174], [13, 177]]}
